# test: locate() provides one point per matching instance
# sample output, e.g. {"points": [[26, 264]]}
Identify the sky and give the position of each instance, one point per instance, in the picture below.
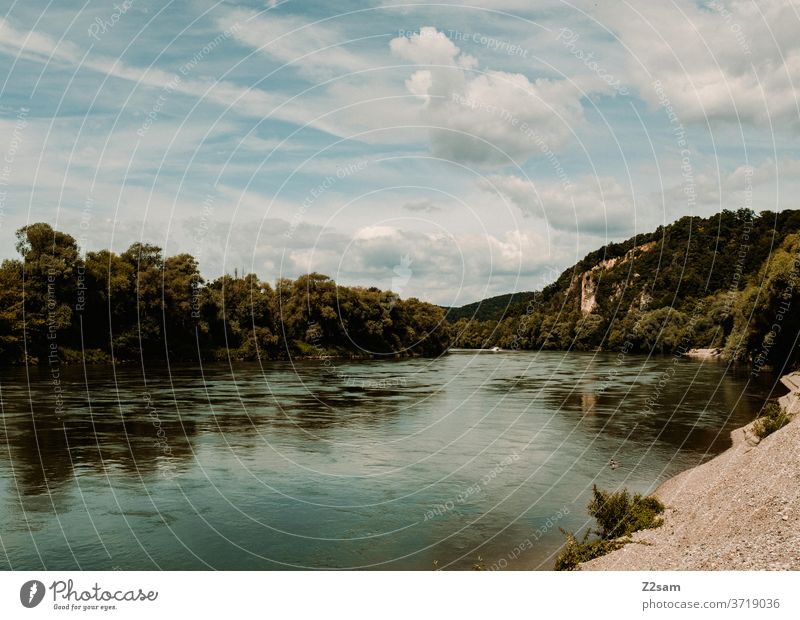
{"points": [[443, 151]]}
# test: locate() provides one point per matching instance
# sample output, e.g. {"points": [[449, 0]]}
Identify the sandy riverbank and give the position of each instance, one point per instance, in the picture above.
{"points": [[738, 511]]}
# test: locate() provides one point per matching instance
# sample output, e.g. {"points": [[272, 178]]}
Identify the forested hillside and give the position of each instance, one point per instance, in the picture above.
{"points": [[56, 305], [729, 281], [510, 304]]}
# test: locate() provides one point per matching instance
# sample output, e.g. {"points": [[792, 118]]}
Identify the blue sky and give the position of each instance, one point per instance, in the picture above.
{"points": [[472, 150]]}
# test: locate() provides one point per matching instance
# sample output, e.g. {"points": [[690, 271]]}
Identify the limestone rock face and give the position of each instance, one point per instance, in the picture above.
{"points": [[591, 279]]}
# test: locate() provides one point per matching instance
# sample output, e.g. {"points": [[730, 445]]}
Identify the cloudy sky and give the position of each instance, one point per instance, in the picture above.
{"points": [[450, 153]]}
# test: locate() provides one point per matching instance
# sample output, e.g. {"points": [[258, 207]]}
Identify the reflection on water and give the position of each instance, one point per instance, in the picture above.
{"points": [[381, 465]]}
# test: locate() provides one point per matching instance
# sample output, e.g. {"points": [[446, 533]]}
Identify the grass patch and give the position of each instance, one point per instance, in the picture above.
{"points": [[618, 515], [772, 417]]}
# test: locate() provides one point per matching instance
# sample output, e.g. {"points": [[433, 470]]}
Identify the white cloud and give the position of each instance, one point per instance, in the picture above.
{"points": [[489, 116], [592, 205], [317, 49], [419, 84], [514, 6], [448, 269], [430, 47], [727, 60], [772, 185], [248, 101]]}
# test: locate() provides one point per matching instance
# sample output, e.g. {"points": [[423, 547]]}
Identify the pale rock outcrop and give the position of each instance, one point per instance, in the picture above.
{"points": [[591, 279]]}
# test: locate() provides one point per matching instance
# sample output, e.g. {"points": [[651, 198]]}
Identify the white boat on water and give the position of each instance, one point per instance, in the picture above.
{"points": [[463, 350]]}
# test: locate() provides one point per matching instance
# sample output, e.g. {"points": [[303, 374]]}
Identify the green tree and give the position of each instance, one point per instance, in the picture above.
{"points": [[12, 324], [49, 262]]}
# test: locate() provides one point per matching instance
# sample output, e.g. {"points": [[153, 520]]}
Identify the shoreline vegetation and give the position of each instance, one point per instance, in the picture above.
{"points": [[618, 516], [60, 307], [711, 288], [726, 287], [737, 511]]}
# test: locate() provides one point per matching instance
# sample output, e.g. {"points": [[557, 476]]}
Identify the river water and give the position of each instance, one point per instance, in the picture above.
{"points": [[473, 458]]}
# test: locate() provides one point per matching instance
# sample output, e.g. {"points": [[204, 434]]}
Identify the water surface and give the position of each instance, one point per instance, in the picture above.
{"points": [[382, 465]]}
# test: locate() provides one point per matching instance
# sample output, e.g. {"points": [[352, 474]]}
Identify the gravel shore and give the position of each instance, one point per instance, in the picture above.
{"points": [[738, 511]]}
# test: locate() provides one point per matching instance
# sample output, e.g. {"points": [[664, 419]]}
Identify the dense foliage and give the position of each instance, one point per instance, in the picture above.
{"points": [[772, 418], [618, 515], [57, 305], [729, 281], [487, 309]]}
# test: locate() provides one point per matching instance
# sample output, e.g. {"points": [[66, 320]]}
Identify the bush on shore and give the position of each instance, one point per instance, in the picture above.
{"points": [[618, 515], [576, 552], [772, 418]]}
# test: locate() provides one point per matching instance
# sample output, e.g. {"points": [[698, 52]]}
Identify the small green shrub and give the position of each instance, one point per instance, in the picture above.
{"points": [[772, 418], [618, 515], [575, 552]]}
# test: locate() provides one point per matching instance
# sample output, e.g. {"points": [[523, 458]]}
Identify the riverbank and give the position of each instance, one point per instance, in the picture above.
{"points": [[738, 511]]}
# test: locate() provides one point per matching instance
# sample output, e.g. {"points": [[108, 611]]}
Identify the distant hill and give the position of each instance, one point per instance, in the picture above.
{"points": [[729, 281], [491, 308]]}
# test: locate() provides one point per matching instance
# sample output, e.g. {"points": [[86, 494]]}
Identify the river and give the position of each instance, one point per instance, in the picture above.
{"points": [[469, 459]]}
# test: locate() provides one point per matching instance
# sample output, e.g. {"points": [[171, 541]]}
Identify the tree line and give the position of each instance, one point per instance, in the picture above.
{"points": [[56, 304], [730, 281]]}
